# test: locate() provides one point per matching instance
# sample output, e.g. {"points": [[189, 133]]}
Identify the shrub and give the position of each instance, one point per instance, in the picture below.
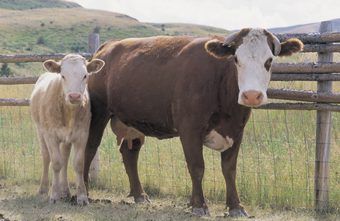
{"points": [[5, 71], [41, 40]]}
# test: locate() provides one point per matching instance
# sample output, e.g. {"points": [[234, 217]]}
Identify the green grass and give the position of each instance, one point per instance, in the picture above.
{"points": [[275, 166], [32, 4]]}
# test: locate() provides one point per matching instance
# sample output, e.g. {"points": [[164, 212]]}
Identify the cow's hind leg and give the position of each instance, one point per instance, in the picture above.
{"points": [[130, 159], [44, 185], [65, 150], [98, 123], [228, 163]]}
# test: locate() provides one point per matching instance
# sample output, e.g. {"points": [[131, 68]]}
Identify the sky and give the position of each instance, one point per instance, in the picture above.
{"points": [[227, 14]]}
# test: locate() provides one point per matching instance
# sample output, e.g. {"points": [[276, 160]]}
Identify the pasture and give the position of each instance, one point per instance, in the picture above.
{"points": [[275, 168]]}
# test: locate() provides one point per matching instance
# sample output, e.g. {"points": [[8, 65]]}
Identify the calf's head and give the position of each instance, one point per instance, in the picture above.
{"points": [[253, 51], [74, 71]]}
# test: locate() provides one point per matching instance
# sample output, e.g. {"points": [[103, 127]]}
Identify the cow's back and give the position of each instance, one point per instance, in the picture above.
{"points": [[143, 77]]}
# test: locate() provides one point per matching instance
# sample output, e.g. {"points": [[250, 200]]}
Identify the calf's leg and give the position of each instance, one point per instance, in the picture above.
{"points": [[54, 151], [44, 185], [228, 163], [130, 159], [65, 150], [78, 164]]}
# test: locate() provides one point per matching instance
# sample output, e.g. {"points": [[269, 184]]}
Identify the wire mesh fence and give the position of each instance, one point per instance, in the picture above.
{"points": [[275, 165]]}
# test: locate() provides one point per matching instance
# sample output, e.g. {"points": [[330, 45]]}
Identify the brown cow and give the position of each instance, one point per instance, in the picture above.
{"points": [[200, 89]]}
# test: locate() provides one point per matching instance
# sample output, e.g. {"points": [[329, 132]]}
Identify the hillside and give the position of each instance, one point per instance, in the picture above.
{"points": [[32, 4], [53, 27]]}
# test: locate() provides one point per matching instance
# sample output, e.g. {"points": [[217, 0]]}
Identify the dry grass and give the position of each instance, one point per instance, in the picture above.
{"points": [[18, 201]]}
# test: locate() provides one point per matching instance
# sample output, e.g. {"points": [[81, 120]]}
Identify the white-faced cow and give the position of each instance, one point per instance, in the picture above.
{"points": [[200, 89], [60, 108]]}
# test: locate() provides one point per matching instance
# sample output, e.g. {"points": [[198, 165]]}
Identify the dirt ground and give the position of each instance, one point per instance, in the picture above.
{"points": [[20, 202]]}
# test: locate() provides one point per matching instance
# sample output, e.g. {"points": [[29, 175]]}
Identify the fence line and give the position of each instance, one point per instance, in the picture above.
{"points": [[323, 100]]}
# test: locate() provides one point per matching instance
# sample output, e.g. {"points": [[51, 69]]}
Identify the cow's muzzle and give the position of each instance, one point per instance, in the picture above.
{"points": [[252, 98], [75, 98]]}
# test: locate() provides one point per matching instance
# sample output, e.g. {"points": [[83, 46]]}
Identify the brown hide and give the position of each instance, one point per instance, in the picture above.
{"points": [[166, 87]]}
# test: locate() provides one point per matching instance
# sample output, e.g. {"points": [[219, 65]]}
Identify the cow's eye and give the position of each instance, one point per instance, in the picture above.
{"points": [[63, 77], [268, 63], [85, 76]]}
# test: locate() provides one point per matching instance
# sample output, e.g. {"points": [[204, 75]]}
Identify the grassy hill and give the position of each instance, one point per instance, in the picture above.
{"points": [[53, 26], [32, 4]]}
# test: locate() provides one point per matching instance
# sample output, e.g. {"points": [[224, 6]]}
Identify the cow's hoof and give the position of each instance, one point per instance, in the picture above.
{"points": [[142, 199], [82, 200], [201, 211], [240, 212]]}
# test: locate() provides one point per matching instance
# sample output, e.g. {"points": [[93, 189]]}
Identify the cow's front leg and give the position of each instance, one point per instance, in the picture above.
{"points": [[228, 163], [64, 187], [78, 165], [130, 159], [193, 150]]}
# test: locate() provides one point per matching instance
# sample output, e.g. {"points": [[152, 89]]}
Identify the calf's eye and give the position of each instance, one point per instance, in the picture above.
{"points": [[85, 76]]}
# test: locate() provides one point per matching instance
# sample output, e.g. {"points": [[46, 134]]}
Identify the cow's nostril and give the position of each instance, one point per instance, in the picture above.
{"points": [[260, 96]]}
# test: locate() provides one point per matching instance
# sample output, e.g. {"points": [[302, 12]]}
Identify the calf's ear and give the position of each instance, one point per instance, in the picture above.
{"points": [[95, 66], [52, 66], [290, 47], [218, 49]]}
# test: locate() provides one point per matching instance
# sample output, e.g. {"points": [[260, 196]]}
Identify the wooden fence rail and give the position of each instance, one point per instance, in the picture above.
{"points": [[324, 101]]}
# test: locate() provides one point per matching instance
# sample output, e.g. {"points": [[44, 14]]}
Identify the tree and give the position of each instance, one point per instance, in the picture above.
{"points": [[5, 71], [96, 30], [41, 40]]}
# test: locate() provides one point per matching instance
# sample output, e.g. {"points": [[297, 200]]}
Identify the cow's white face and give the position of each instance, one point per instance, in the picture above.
{"points": [[253, 51], [74, 71], [253, 59]]}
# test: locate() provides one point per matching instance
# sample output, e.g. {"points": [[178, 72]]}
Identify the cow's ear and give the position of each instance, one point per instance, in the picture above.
{"points": [[218, 49], [290, 47], [52, 66], [95, 66]]}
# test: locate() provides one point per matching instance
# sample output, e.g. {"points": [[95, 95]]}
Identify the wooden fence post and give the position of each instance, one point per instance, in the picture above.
{"points": [[323, 136], [95, 165], [93, 42]]}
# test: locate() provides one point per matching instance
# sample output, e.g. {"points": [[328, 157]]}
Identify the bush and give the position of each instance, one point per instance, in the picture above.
{"points": [[41, 40], [96, 30], [5, 71]]}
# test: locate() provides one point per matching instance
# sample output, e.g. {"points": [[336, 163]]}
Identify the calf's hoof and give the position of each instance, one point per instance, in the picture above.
{"points": [[82, 200], [239, 212], [203, 211], [65, 194], [53, 200], [43, 191], [144, 198]]}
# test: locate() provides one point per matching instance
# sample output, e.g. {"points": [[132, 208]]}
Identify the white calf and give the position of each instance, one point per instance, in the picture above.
{"points": [[60, 108]]}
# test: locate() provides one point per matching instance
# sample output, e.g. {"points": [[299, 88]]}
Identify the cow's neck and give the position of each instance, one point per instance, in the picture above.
{"points": [[228, 96]]}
